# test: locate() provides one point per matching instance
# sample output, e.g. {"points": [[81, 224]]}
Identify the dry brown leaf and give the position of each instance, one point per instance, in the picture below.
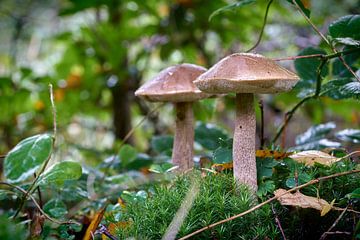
{"points": [[270, 153], [94, 224], [298, 199], [311, 157]]}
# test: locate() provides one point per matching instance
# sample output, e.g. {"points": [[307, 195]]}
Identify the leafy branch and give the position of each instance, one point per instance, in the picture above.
{"points": [[324, 60], [312, 182]]}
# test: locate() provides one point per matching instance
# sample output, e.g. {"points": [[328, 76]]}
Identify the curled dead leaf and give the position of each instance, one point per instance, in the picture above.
{"points": [[298, 199], [311, 157], [94, 224]]}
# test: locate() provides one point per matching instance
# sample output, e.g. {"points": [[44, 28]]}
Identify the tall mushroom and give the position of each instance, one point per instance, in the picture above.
{"points": [[245, 74], [175, 84]]}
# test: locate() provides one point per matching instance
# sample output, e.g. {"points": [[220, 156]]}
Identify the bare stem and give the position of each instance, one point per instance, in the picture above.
{"points": [[53, 108], [323, 236], [262, 28], [314, 181]]}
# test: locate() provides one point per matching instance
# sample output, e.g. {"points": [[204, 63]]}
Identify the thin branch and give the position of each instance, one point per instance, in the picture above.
{"points": [[314, 181], [37, 205], [325, 39], [262, 28], [277, 220], [53, 108], [323, 236]]}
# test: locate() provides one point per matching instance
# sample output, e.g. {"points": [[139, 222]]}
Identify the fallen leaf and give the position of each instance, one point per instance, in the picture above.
{"points": [[298, 199], [94, 224], [311, 157], [326, 208], [222, 166], [274, 154]]}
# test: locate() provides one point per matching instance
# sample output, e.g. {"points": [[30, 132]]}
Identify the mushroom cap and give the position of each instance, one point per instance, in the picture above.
{"points": [[174, 84], [246, 73]]}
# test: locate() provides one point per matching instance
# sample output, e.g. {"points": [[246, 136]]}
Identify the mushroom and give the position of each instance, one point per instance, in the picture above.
{"points": [[175, 84], [245, 74]]}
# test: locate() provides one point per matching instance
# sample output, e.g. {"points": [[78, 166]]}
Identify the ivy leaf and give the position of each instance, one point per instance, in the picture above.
{"points": [[349, 135], [60, 172], [231, 7], [307, 67], [162, 144], [302, 6], [208, 135], [346, 26], [352, 88], [26, 157]]}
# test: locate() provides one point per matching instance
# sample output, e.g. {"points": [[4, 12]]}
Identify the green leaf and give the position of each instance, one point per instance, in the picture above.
{"points": [[302, 178], [127, 154], [231, 7], [338, 67], [346, 27], [55, 208], [349, 135], [354, 194], [161, 168], [265, 167], [347, 41], [302, 6], [332, 89], [60, 172], [315, 133], [204, 109], [26, 157], [317, 144], [162, 144], [208, 135], [352, 88], [222, 155], [265, 188], [307, 67]]}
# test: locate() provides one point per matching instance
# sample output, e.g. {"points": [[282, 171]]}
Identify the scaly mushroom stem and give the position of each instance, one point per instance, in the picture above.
{"points": [[183, 151], [244, 141]]}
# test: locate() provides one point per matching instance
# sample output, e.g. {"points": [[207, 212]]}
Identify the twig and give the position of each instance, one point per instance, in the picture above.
{"points": [[278, 222], [37, 205], [103, 230], [283, 136], [323, 236], [262, 140], [314, 181], [325, 39], [262, 28], [53, 108]]}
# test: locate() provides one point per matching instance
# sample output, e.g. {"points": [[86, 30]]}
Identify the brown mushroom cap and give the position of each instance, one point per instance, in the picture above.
{"points": [[246, 73], [174, 84]]}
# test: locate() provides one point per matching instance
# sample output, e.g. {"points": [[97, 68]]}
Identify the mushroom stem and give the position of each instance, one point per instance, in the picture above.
{"points": [[244, 141], [183, 151]]}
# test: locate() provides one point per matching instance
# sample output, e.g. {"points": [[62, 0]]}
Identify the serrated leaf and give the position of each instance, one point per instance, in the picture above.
{"points": [[208, 135], [332, 89], [346, 26], [127, 154], [26, 157], [314, 133], [307, 67], [311, 157], [347, 41], [303, 7], [349, 135], [60, 172], [231, 7], [352, 88]]}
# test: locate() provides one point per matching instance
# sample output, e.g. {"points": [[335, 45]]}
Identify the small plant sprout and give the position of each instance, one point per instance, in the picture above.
{"points": [[175, 84], [245, 74]]}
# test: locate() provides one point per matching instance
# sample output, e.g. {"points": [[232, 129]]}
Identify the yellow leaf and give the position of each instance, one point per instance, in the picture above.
{"points": [[94, 224], [326, 208], [222, 166], [311, 157], [121, 202], [298, 199], [270, 153]]}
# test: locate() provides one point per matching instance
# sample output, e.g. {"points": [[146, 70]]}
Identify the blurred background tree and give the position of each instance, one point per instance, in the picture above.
{"points": [[97, 52]]}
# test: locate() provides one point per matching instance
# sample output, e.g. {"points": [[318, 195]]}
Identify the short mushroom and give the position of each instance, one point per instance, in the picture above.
{"points": [[175, 84], [245, 74]]}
